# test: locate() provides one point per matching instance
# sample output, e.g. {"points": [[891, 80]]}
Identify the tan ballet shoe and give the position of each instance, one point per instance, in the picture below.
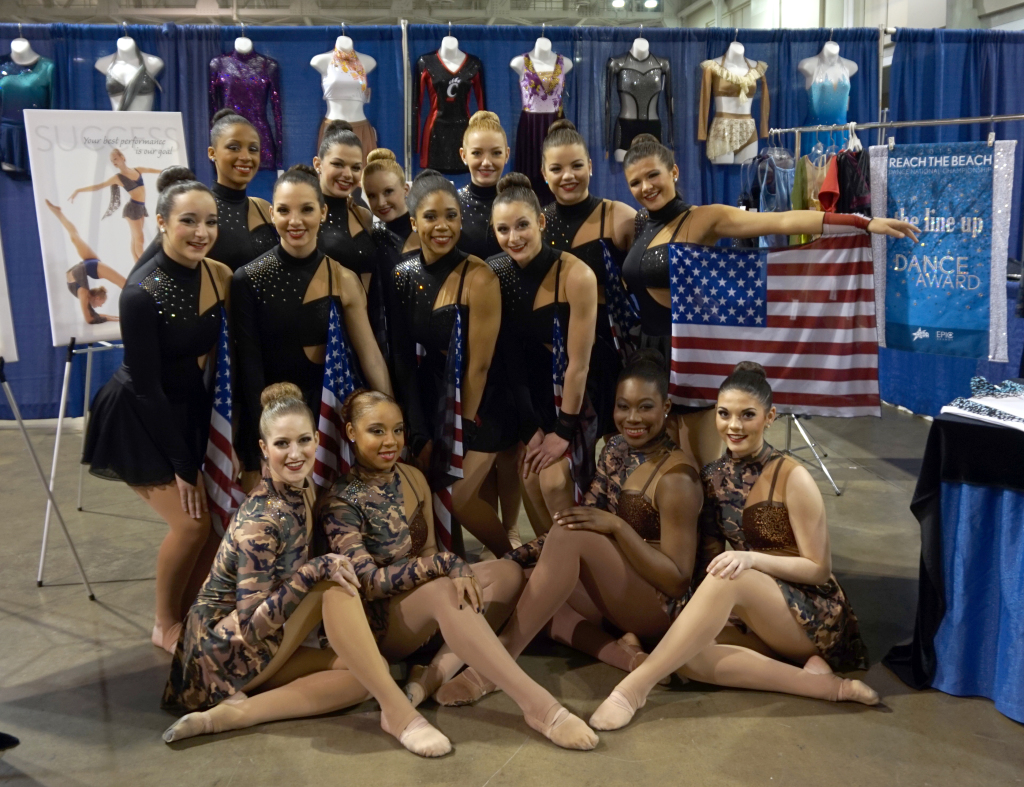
{"points": [[816, 665], [166, 640], [856, 691], [423, 681], [630, 643], [615, 712], [564, 729], [420, 737], [464, 689], [188, 726]]}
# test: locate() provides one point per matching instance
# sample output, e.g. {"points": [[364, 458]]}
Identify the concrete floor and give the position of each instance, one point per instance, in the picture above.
{"points": [[80, 683]]}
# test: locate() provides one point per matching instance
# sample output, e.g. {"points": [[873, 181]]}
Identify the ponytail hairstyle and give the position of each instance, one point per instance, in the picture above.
{"points": [[648, 365], [172, 183], [223, 120], [426, 183], [516, 187], [645, 145], [304, 174], [382, 160], [281, 399], [338, 132], [483, 120], [562, 133], [359, 401], [749, 377]]}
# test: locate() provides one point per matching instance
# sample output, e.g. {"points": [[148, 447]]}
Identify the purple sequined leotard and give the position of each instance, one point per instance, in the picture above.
{"points": [[245, 83]]}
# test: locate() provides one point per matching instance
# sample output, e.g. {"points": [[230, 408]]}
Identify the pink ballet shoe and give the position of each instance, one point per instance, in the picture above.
{"points": [[166, 640], [464, 689], [855, 691], [423, 682], [615, 712], [565, 730], [630, 643]]}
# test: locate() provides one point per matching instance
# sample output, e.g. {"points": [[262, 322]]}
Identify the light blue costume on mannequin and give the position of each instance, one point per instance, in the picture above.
{"points": [[827, 104]]}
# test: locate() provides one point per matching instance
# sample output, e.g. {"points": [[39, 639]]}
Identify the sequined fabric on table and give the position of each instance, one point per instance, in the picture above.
{"points": [[246, 84]]}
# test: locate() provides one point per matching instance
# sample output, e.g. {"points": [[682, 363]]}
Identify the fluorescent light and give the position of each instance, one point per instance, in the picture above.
{"points": [[650, 3], [618, 3]]}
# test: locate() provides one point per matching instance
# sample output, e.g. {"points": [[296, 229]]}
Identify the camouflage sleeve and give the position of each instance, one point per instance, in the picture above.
{"points": [[342, 524], [598, 495], [529, 553], [263, 600], [711, 542]]}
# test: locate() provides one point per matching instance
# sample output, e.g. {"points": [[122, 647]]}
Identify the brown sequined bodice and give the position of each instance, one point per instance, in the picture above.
{"points": [[766, 524], [637, 510]]}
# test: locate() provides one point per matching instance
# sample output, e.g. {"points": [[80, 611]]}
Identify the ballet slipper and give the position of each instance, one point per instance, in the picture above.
{"points": [[816, 665], [188, 726], [513, 536], [166, 640], [615, 712], [630, 643], [464, 689], [423, 681], [564, 729], [855, 691], [420, 737]]}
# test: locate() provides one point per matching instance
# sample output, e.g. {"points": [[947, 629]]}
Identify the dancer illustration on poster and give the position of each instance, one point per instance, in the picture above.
{"points": [[130, 179], [89, 268]]}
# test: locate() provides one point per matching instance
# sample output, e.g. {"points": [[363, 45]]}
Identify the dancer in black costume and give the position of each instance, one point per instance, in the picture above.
{"points": [[385, 190], [427, 291], [538, 284], [485, 151], [149, 423], [280, 311]]}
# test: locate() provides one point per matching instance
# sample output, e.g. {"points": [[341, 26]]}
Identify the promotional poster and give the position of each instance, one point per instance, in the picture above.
{"points": [[946, 294], [94, 176], [8, 346]]}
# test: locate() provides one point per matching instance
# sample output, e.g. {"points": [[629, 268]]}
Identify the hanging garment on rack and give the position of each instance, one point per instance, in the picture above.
{"points": [[730, 132], [21, 88], [246, 84], [798, 197], [776, 188], [828, 194], [815, 176], [828, 100], [142, 83], [640, 84], [854, 182], [445, 93], [541, 93]]}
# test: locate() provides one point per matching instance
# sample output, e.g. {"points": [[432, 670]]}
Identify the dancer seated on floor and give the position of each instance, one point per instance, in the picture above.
{"points": [[777, 576], [626, 556], [380, 516], [264, 595], [89, 268]]}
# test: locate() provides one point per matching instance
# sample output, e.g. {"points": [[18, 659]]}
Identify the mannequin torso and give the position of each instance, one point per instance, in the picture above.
{"points": [[22, 52], [543, 57], [737, 63], [243, 45], [450, 54], [640, 78], [123, 65], [827, 64], [345, 93]]}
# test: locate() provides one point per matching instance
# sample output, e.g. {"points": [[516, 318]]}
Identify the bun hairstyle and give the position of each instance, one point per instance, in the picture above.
{"points": [[173, 182], [648, 365], [645, 145], [426, 183], [482, 120], [516, 187], [749, 377], [338, 132], [361, 400], [562, 133], [280, 399], [382, 160], [222, 120], [302, 174], [95, 292]]}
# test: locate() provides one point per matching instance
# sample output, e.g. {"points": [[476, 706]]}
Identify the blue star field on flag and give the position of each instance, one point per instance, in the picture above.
{"points": [[718, 286]]}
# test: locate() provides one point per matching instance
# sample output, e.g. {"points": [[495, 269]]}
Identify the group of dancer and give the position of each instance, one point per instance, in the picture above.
{"points": [[556, 322]]}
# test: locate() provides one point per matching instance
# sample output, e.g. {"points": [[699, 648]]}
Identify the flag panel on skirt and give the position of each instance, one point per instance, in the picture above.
{"points": [[449, 449], [220, 467], [806, 314], [334, 454]]}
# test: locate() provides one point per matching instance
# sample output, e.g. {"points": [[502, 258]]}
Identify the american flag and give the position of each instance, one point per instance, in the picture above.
{"points": [[451, 461], [622, 316], [581, 447], [220, 467], [334, 454], [806, 314]]}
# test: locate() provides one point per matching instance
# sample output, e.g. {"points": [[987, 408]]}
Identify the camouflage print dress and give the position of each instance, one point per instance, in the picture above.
{"points": [[822, 610], [261, 574], [363, 518]]}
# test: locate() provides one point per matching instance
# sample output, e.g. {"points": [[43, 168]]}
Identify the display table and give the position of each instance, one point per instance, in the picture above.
{"points": [[969, 630]]}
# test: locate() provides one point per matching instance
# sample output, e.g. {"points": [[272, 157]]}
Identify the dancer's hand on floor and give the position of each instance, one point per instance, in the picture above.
{"points": [[344, 574], [469, 589], [193, 497], [587, 518], [730, 564]]}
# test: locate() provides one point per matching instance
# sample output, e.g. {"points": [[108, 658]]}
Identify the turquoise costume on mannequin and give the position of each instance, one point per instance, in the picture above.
{"points": [[21, 88], [827, 104]]}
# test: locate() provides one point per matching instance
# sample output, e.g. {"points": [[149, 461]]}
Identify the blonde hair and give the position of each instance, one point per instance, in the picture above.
{"points": [[279, 399], [382, 160], [483, 120]]}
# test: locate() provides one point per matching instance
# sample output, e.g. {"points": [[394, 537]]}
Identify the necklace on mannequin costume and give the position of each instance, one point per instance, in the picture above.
{"points": [[731, 81], [344, 76]]}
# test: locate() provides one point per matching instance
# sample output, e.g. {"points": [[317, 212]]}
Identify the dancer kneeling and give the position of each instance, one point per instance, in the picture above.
{"points": [[626, 556], [777, 577], [264, 596], [380, 517]]}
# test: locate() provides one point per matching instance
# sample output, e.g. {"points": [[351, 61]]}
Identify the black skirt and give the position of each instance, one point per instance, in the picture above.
{"points": [[533, 127], [119, 447]]}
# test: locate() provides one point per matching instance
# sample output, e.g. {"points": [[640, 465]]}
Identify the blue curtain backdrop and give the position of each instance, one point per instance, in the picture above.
{"points": [[940, 74]]}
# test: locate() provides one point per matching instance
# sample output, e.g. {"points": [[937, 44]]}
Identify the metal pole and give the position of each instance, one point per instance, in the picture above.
{"points": [[906, 124], [42, 478], [881, 69], [810, 444], [407, 87], [85, 418], [56, 453]]}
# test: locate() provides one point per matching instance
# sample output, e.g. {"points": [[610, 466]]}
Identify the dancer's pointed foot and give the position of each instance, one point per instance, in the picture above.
{"points": [[564, 729], [464, 689], [52, 207], [817, 666], [856, 691], [188, 726], [168, 640], [420, 737], [423, 682], [615, 712]]}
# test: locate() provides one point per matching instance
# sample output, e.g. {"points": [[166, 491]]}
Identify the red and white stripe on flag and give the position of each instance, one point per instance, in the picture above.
{"points": [[220, 466], [810, 322]]}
